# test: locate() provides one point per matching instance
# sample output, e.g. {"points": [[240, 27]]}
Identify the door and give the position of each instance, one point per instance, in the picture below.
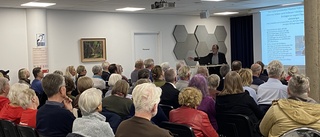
{"points": [[146, 46]]}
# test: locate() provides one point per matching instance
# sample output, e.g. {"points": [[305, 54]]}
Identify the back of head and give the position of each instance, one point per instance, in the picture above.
{"points": [[213, 81], [203, 71], [143, 73], [69, 83], [84, 83], [96, 69], [224, 69], [145, 96], [89, 101], [58, 72], [236, 65], [105, 65], [199, 81], [112, 68], [35, 71], [190, 97], [275, 69], [141, 81], [119, 69], [232, 84], [156, 72], [120, 88], [261, 64], [25, 98], [138, 64], [298, 85], [51, 84], [22, 74], [246, 76], [68, 71], [293, 70], [165, 66], [3, 82], [184, 72], [170, 75], [256, 69], [180, 64], [148, 63], [80, 69], [114, 78], [14, 92]]}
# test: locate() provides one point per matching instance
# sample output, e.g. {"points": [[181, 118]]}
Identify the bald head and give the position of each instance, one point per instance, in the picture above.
{"points": [[256, 69]]}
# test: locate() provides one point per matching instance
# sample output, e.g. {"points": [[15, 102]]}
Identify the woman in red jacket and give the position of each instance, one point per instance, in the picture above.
{"points": [[189, 99]]}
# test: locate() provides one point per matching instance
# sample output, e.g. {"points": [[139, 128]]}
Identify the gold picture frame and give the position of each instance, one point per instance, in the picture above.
{"points": [[93, 49]]}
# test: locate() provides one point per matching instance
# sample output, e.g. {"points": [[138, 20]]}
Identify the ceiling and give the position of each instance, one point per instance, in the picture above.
{"points": [[183, 7]]}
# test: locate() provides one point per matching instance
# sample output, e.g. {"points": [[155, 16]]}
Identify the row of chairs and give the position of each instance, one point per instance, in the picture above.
{"points": [[10, 129]]}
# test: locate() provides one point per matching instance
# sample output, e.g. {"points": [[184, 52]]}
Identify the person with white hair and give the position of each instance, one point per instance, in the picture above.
{"points": [[273, 89], [149, 64], [146, 98], [23, 75], [112, 81], [30, 102], [92, 123], [105, 73], [184, 74], [4, 91], [98, 82], [165, 66]]}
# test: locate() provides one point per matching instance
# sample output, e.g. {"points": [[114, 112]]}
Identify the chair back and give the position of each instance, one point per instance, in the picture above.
{"points": [[166, 109], [234, 125], [178, 130], [302, 132], [9, 128], [26, 131]]}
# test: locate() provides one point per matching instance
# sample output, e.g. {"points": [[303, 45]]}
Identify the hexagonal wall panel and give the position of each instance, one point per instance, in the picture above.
{"points": [[222, 47], [202, 49], [180, 33], [190, 53], [220, 33], [211, 39], [181, 48], [201, 33]]}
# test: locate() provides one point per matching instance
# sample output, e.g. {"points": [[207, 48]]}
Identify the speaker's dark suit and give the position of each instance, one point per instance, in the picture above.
{"points": [[207, 60], [169, 95]]}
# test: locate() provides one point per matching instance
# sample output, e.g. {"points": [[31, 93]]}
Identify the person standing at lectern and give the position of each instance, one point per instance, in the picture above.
{"points": [[214, 58]]}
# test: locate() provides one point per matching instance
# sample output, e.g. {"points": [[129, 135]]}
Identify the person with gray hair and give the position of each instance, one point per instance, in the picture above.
{"points": [[146, 98], [203, 71], [236, 66], [23, 75], [98, 82], [184, 74], [225, 68], [55, 117], [149, 64], [297, 111], [165, 66], [4, 91], [170, 94], [273, 89], [213, 83], [134, 74], [92, 123], [105, 73]]}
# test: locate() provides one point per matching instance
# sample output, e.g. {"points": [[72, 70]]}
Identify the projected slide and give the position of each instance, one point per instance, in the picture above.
{"points": [[282, 35]]}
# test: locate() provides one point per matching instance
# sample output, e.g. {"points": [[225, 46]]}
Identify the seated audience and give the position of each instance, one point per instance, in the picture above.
{"points": [[134, 74], [246, 78], [189, 99], [149, 64], [117, 102], [291, 71], [36, 85], [145, 99], [236, 66], [113, 69], [224, 69], [170, 94], [84, 83], [13, 110], [30, 102], [23, 75], [264, 74], [256, 71], [233, 100], [179, 64], [203, 71], [81, 71], [184, 74], [98, 82], [92, 123], [58, 72], [5, 74], [69, 87], [297, 111], [4, 91], [112, 81], [158, 76], [213, 83], [207, 104], [55, 118], [71, 72], [165, 66], [143, 73], [105, 72], [120, 70], [273, 89]]}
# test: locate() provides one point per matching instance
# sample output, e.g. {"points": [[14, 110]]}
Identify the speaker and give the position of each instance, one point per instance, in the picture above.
{"points": [[204, 14]]}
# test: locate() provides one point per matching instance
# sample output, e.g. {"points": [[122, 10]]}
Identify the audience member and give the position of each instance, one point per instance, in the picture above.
{"points": [[23, 75], [4, 91], [213, 83], [98, 82], [120, 70], [264, 74], [165, 66], [149, 64], [233, 100], [179, 64], [36, 85], [184, 74], [30, 102], [69, 87], [117, 102], [291, 71], [225, 68], [170, 94], [134, 74], [203, 71], [5, 74], [297, 111], [273, 89], [207, 104], [105, 73], [189, 99], [71, 72], [55, 118], [236, 66], [158, 76], [1, 75], [82, 71], [92, 123], [246, 78], [144, 73], [145, 99], [84, 83], [58, 72], [256, 71], [112, 69], [13, 110], [112, 81]]}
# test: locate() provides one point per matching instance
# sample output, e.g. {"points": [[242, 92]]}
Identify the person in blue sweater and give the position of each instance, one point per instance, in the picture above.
{"points": [[55, 118]]}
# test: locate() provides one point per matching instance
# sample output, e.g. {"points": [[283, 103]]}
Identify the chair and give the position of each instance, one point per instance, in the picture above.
{"points": [[178, 130], [166, 109], [26, 131], [9, 128], [302, 132], [234, 125]]}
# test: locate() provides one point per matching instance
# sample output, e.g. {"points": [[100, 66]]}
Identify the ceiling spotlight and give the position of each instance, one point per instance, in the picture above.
{"points": [[130, 9], [38, 4], [225, 13]]}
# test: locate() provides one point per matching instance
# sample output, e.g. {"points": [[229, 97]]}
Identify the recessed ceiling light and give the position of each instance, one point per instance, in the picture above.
{"points": [[212, 0], [225, 13], [38, 4], [130, 9]]}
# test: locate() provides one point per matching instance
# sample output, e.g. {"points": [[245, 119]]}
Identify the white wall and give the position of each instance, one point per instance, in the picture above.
{"points": [[66, 28]]}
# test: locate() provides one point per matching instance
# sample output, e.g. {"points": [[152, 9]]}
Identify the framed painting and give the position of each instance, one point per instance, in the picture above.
{"points": [[93, 49]]}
